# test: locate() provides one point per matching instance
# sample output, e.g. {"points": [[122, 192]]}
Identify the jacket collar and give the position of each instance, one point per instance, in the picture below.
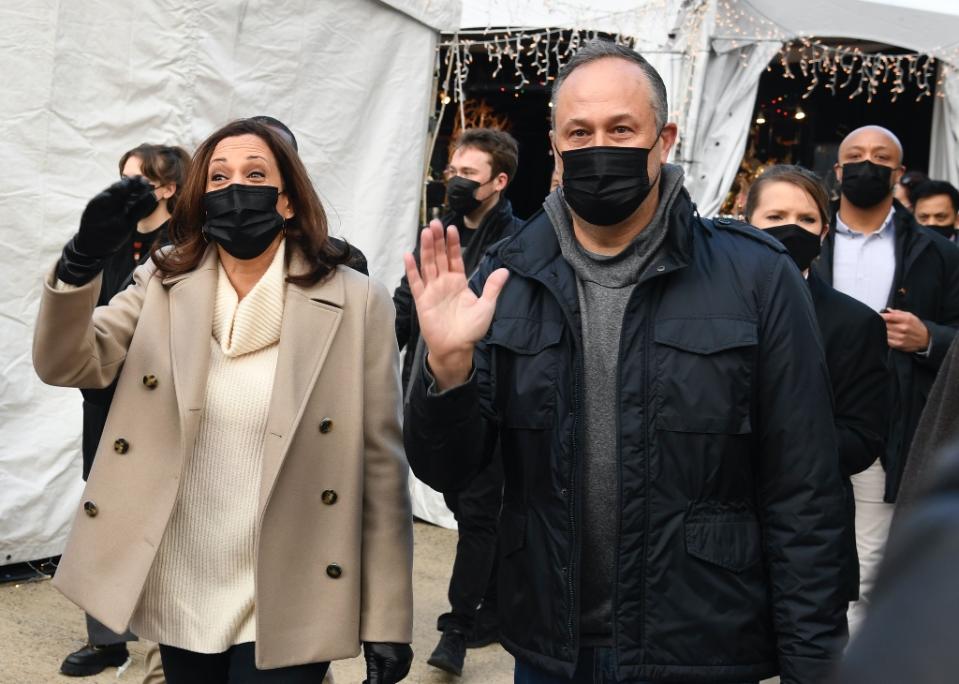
{"points": [[910, 242], [311, 319], [535, 249]]}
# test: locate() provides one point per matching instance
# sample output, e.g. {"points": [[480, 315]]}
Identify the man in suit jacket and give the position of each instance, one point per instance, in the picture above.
{"points": [[879, 255]]}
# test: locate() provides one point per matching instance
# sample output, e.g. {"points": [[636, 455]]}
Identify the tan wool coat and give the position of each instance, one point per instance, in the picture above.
{"points": [[334, 529]]}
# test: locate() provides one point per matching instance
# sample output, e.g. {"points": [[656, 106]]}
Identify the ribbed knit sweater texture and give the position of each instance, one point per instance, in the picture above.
{"points": [[199, 594]]}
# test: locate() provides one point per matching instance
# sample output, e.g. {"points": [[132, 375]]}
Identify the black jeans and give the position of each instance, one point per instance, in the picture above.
{"points": [[473, 581], [233, 666]]}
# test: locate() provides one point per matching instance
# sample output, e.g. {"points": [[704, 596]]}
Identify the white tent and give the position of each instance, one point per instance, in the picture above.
{"points": [[83, 82], [744, 35]]}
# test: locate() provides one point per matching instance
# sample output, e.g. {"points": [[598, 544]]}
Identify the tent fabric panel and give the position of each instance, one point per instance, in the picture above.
{"points": [[85, 82]]}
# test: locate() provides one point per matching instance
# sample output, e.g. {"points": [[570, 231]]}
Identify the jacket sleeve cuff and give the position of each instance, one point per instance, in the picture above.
{"points": [[940, 338], [432, 390], [802, 670]]}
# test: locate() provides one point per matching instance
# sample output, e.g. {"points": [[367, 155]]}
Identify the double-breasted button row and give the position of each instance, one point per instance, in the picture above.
{"points": [[121, 446], [326, 425], [334, 571]]}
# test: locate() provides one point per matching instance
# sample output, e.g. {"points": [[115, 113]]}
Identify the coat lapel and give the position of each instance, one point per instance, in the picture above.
{"points": [[311, 317], [191, 320]]}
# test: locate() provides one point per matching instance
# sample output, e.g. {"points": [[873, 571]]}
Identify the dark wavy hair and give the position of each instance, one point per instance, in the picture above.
{"points": [[306, 231], [162, 164]]}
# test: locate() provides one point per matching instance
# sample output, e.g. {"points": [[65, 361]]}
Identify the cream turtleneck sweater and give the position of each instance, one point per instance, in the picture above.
{"points": [[199, 594]]}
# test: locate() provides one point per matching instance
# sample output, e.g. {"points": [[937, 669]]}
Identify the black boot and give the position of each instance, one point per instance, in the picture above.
{"points": [[91, 660], [450, 652]]}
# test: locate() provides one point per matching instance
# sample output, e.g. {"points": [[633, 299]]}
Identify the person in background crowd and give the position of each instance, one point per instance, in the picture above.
{"points": [[909, 635], [165, 168], [673, 507], [790, 203], [482, 164], [936, 206], [902, 191], [251, 470], [880, 256]]}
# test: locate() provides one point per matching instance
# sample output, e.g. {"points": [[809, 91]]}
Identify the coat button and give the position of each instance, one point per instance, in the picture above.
{"points": [[334, 570], [121, 446], [329, 497], [326, 425], [901, 292], [90, 509], [150, 381]]}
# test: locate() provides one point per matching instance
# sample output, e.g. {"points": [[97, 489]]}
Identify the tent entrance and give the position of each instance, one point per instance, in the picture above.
{"points": [[799, 120]]}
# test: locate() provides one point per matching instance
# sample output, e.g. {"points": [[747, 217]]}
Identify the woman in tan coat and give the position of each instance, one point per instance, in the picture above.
{"points": [[248, 506]]}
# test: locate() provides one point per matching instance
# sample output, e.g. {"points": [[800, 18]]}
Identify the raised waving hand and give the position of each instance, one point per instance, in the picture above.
{"points": [[452, 318]]}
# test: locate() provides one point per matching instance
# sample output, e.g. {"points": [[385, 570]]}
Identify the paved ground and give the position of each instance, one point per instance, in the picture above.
{"points": [[38, 627]]}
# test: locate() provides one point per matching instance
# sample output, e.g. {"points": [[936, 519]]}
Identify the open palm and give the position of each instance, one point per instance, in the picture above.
{"points": [[451, 317]]}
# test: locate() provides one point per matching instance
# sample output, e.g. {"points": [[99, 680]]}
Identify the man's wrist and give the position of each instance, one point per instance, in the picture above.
{"points": [[450, 370]]}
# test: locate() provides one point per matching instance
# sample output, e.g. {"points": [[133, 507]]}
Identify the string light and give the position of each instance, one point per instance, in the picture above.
{"points": [[850, 69]]}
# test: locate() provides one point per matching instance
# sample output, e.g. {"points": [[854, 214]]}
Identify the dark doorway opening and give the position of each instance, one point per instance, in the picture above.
{"points": [[788, 128]]}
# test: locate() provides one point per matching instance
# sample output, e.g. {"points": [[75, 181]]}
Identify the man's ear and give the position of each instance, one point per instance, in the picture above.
{"points": [[557, 158], [668, 135], [837, 169], [897, 174], [163, 192], [500, 182]]}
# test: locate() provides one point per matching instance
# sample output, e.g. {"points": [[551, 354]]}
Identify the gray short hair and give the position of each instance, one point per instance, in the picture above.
{"points": [[598, 49]]}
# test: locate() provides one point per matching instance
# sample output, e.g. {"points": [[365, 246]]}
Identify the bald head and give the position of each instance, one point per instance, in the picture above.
{"points": [[868, 139]]}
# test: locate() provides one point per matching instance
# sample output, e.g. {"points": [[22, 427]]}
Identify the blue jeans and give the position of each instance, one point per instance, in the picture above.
{"points": [[594, 666]]}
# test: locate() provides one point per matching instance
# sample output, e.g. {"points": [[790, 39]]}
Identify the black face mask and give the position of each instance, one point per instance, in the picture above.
{"points": [[866, 184], [243, 218], [605, 185], [802, 245], [460, 194], [947, 232]]}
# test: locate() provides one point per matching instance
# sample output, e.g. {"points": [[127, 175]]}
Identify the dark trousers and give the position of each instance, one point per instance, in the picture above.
{"points": [[594, 666], [473, 582], [233, 666], [99, 634]]}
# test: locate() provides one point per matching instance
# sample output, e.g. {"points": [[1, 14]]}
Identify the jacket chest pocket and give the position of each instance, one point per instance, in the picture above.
{"points": [[704, 374], [525, 358]]}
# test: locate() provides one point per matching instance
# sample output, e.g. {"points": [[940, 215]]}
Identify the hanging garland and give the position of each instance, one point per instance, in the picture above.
{"points": [[841, 68]]}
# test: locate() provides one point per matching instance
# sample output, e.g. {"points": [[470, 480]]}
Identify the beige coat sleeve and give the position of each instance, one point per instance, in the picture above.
{"points": [[386, 608], [78, 344]]}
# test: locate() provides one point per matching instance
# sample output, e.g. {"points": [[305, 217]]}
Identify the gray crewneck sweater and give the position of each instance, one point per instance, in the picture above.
{"points": [[604, 285]]}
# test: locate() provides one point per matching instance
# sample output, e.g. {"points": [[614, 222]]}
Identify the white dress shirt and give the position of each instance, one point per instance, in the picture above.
{"points": [[864, 264]]}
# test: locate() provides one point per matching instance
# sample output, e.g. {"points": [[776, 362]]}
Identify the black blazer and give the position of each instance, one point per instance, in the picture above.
{"points": [[854, 337], [926, 283]]}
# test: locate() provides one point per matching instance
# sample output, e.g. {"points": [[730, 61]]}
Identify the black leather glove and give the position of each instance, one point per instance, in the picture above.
{"points": [[107, 223], [386, 663]]}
